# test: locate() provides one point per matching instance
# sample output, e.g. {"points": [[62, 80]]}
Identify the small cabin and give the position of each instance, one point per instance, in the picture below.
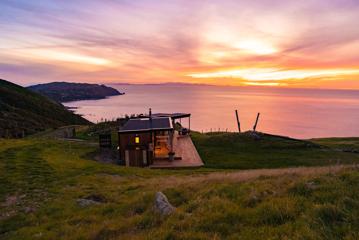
{"points": [[142, 141]]}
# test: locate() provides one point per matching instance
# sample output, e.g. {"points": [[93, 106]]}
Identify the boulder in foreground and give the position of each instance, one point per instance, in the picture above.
{"points": [[162, 205]]}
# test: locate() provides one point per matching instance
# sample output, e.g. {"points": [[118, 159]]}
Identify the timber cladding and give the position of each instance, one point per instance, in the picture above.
{"points": [[134, 148]]}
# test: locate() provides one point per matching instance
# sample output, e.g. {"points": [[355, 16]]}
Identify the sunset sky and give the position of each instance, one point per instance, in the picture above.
{"points": [[309, 43]]}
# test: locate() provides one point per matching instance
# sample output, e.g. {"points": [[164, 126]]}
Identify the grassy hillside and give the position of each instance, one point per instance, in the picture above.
{"points": [[243, 151], [23, 110], [41, 181]]}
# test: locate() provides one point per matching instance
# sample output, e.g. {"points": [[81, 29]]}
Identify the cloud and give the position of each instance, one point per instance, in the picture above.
{"points": [[152, 41]]}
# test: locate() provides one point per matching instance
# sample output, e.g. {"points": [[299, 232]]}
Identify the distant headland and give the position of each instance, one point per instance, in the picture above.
{"points": [[67, 92]]}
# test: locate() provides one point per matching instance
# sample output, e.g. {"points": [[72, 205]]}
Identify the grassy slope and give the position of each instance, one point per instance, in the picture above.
{"points": [[21, 109], [346, 144], [91, 133], [46, 181], [241, 151]]}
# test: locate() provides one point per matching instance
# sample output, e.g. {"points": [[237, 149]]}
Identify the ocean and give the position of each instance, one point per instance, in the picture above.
{"points": [[298, 113]]}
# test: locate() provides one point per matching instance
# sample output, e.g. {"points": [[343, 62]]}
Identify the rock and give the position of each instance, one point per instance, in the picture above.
{"points": [[38, 235], [162, 204], [255, 135], [5, 215], [11, 200], [269, 193], [311, 185], [97, 198], [86, 202], [93, 199], [252, 201], [351, 150], [29, 209]]}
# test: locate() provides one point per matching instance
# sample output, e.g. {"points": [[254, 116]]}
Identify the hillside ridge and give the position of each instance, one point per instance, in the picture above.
{"points": [[67, 92], [24, 112]]}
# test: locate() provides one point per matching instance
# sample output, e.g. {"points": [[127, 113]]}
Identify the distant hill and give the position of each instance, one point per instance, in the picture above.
{"points": [[67, 92], [24, 111]]}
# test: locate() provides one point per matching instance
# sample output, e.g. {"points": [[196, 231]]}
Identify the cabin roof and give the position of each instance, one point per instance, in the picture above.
{"points": [[172, 115], [146, 124]]}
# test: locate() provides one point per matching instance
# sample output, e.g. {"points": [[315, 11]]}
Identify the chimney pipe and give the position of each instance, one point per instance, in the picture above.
{"points": [[150, 116]]}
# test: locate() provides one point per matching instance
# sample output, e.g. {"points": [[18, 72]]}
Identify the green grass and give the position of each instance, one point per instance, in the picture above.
{"points": [[25, 112], [242, 151], [339, 143], [92, 132], [46, 177]]}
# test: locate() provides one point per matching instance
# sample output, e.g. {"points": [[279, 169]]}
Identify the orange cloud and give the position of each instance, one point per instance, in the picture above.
{"points": [[232, 42]]}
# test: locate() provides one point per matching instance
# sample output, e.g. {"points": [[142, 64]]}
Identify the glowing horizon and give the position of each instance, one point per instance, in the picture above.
{"points": [[295, 44], [266, 76]]}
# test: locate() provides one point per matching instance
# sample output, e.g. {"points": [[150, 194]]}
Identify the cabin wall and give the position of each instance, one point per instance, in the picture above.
{"points": [[138, 154]]}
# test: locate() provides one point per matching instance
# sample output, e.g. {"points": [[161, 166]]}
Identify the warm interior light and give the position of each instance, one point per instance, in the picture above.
{"points": [[137, 140]]}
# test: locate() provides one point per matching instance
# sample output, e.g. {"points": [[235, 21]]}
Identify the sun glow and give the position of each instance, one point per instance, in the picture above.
{"points": [[256, 47], [62, 56], [227, 42], [267, 84], [69, 57], [272, 74]]}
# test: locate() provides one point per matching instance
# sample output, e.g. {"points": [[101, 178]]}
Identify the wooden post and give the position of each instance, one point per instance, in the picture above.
{"points": [[172, 136], [238, 122], [119, 146], [152, 134], [189, 124], [255, 125]]}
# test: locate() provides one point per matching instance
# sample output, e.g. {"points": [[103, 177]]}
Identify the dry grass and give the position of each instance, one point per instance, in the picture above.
{"points": [[42, 180], [244, 175]]}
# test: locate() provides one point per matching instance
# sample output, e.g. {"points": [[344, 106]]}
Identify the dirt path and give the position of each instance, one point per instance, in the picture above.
{"points": [[246, 175]]}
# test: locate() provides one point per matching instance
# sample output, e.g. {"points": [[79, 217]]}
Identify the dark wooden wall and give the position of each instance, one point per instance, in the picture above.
{"points": [[127, 142]]}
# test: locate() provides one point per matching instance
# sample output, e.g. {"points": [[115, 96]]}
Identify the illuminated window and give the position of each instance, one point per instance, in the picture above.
{"points": [[137, 139]]}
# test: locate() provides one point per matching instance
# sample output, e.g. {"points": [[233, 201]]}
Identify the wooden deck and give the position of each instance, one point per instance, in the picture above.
{"points": [[184, 148]]}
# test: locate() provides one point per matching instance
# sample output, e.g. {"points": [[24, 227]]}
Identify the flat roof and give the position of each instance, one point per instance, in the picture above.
{"points": [[172, 115], [145, 124]]}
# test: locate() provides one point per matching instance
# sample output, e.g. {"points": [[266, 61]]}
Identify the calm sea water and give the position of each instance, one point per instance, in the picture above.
{"points": [[299, 113]]}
